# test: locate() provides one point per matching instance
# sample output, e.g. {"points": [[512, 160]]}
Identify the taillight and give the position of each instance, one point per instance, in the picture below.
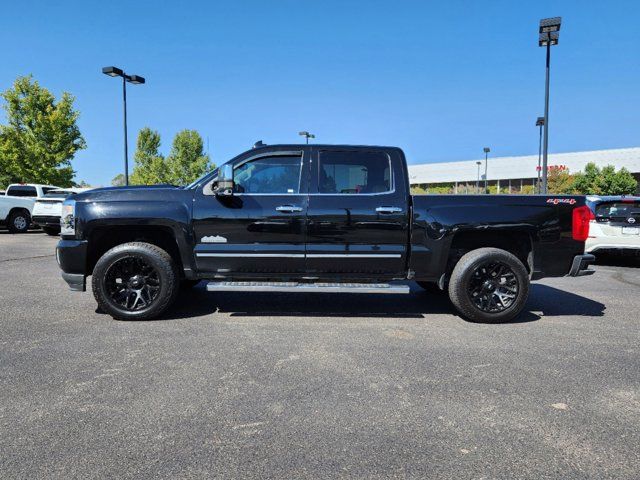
{"points": [[581, 218]]}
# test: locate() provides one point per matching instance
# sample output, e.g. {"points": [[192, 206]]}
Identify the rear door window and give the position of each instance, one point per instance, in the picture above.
{"points": [[22, 191], [354, 173]]}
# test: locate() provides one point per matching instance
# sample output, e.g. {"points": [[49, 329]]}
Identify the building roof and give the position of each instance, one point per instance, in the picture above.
{"points": [[505, 168]]}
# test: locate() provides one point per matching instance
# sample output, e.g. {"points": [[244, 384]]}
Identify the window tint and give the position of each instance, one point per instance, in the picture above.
{"points": [[618, 209], [277, 174], [59, 194], [22, 191], [46, 190], [354, 172]]}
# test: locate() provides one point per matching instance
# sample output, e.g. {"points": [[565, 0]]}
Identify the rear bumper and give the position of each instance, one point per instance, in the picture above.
{"points": [[46, 221], [72, 259], [580, 265]]}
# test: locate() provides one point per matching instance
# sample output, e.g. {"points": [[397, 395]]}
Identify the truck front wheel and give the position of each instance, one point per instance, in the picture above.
{"points": [[489, 285], [135, 281]]}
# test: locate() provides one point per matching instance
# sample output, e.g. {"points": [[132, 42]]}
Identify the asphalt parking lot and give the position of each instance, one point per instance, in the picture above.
{"points": [[296, 386]]}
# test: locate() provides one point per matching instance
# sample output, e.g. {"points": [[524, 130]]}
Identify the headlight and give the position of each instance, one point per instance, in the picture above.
{"points": [[68, 218]]}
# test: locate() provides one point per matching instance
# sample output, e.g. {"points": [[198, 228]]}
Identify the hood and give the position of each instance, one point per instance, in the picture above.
{"points": [[130, 193]]}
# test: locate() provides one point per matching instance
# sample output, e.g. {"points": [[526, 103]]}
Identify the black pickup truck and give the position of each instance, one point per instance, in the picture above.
{"points": [[317, 218]]}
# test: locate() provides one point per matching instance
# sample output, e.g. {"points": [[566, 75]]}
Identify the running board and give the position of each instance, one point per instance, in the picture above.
{"points": [[306, 287]]}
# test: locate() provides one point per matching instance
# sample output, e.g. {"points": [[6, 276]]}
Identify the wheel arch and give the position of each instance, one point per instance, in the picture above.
{"points": [[103, 238]]}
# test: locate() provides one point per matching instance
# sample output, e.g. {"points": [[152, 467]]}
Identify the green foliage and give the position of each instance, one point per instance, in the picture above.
{"points": [[187, 160], [442, 188], [417, 190], [560, 181], [41, 137], [605, 181], [150, 167], [185, 163], [528, 190], [118, 180]]}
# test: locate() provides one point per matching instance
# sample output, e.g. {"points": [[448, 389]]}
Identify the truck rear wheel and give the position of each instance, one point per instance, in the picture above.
{"points": [[135, 281], [19, 221], [489, 285]]}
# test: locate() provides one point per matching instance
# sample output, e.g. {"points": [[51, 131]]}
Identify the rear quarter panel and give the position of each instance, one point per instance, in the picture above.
{"points": [[437, 219]]}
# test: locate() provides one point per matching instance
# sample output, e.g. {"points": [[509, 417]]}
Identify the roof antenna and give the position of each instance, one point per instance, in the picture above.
{"points": [[259, 144]]}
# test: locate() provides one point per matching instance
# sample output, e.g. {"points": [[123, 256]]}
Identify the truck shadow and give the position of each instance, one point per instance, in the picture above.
{"points": [[197, 302]]}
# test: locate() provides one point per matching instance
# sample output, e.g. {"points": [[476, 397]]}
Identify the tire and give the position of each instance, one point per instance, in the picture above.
{"points": [[431, 287], [53, 231], [480, 296], [135, 281], [18, 221]]}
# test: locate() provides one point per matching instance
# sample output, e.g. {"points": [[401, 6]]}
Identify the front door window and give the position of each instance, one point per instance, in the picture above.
{"points": [[270, 175]]}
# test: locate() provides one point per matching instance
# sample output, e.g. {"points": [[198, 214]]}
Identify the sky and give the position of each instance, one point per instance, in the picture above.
{"points": [[439, 79]]}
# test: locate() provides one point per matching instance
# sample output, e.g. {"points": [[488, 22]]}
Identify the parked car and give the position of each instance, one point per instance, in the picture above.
{"points": [[317, 218], [615, 225], [15, 213], [17, 204], [32, 190], [48, 209]]}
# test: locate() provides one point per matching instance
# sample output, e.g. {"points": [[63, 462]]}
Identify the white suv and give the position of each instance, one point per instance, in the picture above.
{"points": [[17, 203], [48, 209], [615, 226]]}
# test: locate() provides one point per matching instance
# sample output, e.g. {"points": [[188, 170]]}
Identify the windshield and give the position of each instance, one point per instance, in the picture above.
{"points": [[196, 182]]}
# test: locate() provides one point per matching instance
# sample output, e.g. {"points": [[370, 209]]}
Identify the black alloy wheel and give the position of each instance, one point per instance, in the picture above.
{"points": [[135, 281], [489, 285], [493, 287], [132, 283]]}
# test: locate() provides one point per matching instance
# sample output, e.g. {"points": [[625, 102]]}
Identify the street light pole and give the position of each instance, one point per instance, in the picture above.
{"points": [[539, 123], [136, 80], [549, 32], [126, 148], [307, 136], [486, 161]]}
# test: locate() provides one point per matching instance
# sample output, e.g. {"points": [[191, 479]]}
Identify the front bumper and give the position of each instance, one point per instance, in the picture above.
{"points": [[46, 221], [72, 259], [580, 265]]}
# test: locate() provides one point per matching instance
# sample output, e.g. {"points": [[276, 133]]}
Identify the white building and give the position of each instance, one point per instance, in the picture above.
{"points": [[516, 172]]}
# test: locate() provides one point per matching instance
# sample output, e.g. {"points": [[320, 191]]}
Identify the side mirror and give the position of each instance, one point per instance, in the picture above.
{"points": [[225, 181]]}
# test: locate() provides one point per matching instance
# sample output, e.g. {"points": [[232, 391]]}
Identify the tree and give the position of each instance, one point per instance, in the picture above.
{"points": [[605, 181], [559, 180], [187, 160], [118, 180], [150, 167], [185, 163], [41, 136]]}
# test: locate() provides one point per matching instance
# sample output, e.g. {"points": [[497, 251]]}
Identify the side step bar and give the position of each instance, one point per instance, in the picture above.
{"points": [[306, 287]]}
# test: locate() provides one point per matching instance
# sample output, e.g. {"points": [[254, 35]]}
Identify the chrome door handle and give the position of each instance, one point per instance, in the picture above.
{"points": [[288, 209], [389, 210]]}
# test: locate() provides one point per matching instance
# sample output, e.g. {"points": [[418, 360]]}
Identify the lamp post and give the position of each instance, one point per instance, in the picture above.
{"points": [[307, 135], [539, 123], [136, 80], [548, 35], [486, 151], [478, 163]]}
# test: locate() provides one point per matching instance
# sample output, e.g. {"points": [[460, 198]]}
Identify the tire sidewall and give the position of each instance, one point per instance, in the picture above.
{"points": [[166, 274], [14, 216], [463, 273]]}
